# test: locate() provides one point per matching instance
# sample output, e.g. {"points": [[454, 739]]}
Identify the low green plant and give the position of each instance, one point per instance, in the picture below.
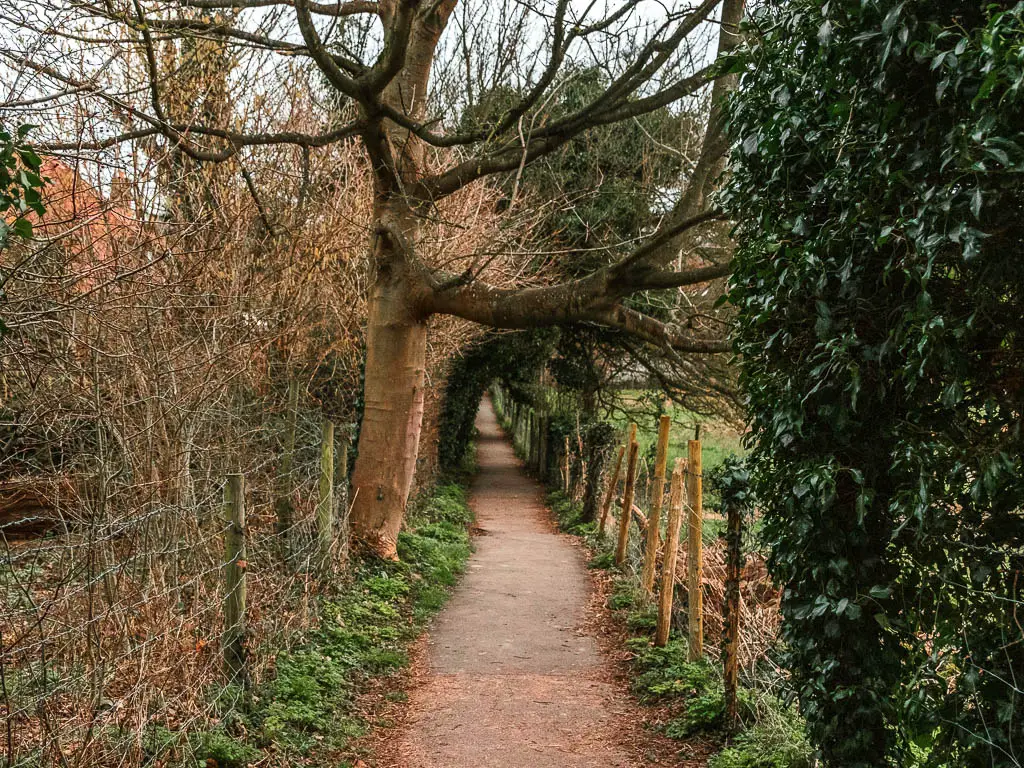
{"points": [[603, 560], [666, 673], [225, 750], [778, 740], [569, 514], [163, 746], [625, 594], [308, 704], [157, 742], [643, 618]]}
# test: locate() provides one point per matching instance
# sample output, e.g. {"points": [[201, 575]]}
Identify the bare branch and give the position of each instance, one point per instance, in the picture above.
{"points": [[337, 10], [656, 332]]}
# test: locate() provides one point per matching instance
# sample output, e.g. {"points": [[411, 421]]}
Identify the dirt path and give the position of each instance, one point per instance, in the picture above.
{"points": [[511, 678]]}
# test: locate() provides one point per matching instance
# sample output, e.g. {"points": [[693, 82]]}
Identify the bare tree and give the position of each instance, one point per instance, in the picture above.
{"points": [[398, 73]]}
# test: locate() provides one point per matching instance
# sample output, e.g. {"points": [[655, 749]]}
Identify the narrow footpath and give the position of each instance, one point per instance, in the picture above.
{"points": [[512, 678]]}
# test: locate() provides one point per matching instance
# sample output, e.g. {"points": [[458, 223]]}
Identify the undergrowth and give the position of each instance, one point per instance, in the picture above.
{"points": [[306, 712], [773, 735]]}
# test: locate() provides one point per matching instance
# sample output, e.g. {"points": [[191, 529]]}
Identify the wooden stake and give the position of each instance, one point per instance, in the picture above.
{"points": [[531, 436], [627, 505], [527, 416], [654, 517], [534, 440], [565, 467], [234, 579], [668, 565], [325, 501], [542, 458], [285, 509], [610, 493], [695, 552], [344, 500], [733, 571]]}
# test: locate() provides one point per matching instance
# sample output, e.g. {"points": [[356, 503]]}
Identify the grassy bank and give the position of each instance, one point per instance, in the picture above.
{"points": [[307, 714], [692, 692]]}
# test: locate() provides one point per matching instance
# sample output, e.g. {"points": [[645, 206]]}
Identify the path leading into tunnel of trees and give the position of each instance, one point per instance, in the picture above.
{"points": [[512, 675]]}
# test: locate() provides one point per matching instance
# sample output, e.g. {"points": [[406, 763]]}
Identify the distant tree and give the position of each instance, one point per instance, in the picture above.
{"points": [[877, 178]]}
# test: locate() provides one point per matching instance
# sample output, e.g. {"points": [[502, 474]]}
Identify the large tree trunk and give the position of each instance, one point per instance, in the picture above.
{"points": [[396, 334], [396, 344]]}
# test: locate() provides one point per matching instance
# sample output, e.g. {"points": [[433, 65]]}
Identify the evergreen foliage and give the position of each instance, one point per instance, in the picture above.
{"points": [[20, 190], [876, 176]]}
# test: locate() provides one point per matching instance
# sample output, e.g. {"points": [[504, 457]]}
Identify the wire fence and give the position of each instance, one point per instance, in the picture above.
{"points": [[564, 464], [136, 376], [728, 606]]}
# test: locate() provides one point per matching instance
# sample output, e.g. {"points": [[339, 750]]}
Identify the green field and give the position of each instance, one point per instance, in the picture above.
{"points": [[718, 439]]}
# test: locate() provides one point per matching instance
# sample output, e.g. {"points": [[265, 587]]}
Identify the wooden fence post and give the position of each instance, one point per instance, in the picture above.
{"points": [[542, 453], [668, 564], [535, 440], [527, 435], [734, 569], [610, 493], [695, 552], [343, 500], [235, 565], [565, 466], [657, 499], [285, 508], [534, 432], [524, 429], [325, 501], [627, 505]]}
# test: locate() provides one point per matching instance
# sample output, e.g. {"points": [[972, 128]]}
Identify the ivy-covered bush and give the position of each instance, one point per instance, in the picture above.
{"points": [[876, 175]]}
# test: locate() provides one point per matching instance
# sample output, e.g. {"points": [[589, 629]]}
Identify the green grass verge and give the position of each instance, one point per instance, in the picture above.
{"points": [[773, 734], [305, 714]]}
